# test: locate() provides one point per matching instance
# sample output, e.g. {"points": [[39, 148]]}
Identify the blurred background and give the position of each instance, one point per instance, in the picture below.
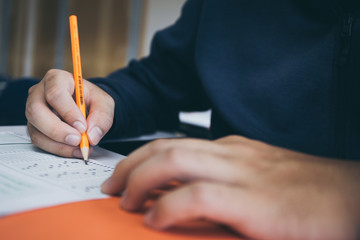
{"points": [[34, 34]]}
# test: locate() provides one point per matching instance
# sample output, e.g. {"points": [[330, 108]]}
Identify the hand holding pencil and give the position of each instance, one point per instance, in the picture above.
{"points": [[79, 93], [56, 123]]}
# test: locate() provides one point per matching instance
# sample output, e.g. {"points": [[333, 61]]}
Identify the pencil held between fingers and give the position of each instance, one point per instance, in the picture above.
{"points": [[47, 124], [53, 125]]}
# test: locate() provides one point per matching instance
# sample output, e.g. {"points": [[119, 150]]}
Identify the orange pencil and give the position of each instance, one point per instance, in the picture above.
{"points": [[79, 93]]}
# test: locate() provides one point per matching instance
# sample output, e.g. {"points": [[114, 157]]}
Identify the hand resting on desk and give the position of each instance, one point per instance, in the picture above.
{"points": [[261, 191]]}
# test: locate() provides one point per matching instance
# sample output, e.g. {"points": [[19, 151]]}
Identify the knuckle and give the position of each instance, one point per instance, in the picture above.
{"points": [[52, 94], [231, 140], [157, 145], [52, 72], [174, 157], [231, 137], [31, 89], [31, 109], [235, 138]]}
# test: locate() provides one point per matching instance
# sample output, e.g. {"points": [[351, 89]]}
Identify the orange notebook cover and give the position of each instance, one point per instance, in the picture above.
{"points": [[99, 219]]}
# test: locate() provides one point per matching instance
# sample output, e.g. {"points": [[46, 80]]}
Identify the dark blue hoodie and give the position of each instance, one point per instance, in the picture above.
{"points": [[286, 72]]}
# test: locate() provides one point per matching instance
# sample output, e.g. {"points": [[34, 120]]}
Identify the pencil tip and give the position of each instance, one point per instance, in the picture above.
{"points": [[85, 153]]}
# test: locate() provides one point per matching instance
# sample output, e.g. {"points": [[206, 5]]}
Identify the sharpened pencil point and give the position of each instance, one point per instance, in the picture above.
{"points": [[85, 153]]}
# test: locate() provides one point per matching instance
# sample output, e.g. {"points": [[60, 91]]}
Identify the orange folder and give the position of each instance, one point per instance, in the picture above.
{"points": [[99, 219]]}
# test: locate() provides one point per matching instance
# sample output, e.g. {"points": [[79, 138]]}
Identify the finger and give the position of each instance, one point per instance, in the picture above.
{"points": [[221, 203], [41, 117], [49, 145], [175, 164], [116, 183], [59, 90], [237, 141], [101, 114], [248, 211]]}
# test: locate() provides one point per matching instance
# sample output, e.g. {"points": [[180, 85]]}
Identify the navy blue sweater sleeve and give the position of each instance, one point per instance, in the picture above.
{"points": [[150, 92]]}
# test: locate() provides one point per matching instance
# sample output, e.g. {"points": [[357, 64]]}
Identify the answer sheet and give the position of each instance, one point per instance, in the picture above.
{"points": [[31, 178]]}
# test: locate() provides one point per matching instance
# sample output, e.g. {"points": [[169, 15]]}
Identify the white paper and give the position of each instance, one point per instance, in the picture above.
{"points": [[31, 178]]}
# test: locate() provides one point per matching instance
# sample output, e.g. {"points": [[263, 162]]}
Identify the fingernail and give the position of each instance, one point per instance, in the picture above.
{"points": [[77, 153], [72, 139], [79, 126], [95, 135]]}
